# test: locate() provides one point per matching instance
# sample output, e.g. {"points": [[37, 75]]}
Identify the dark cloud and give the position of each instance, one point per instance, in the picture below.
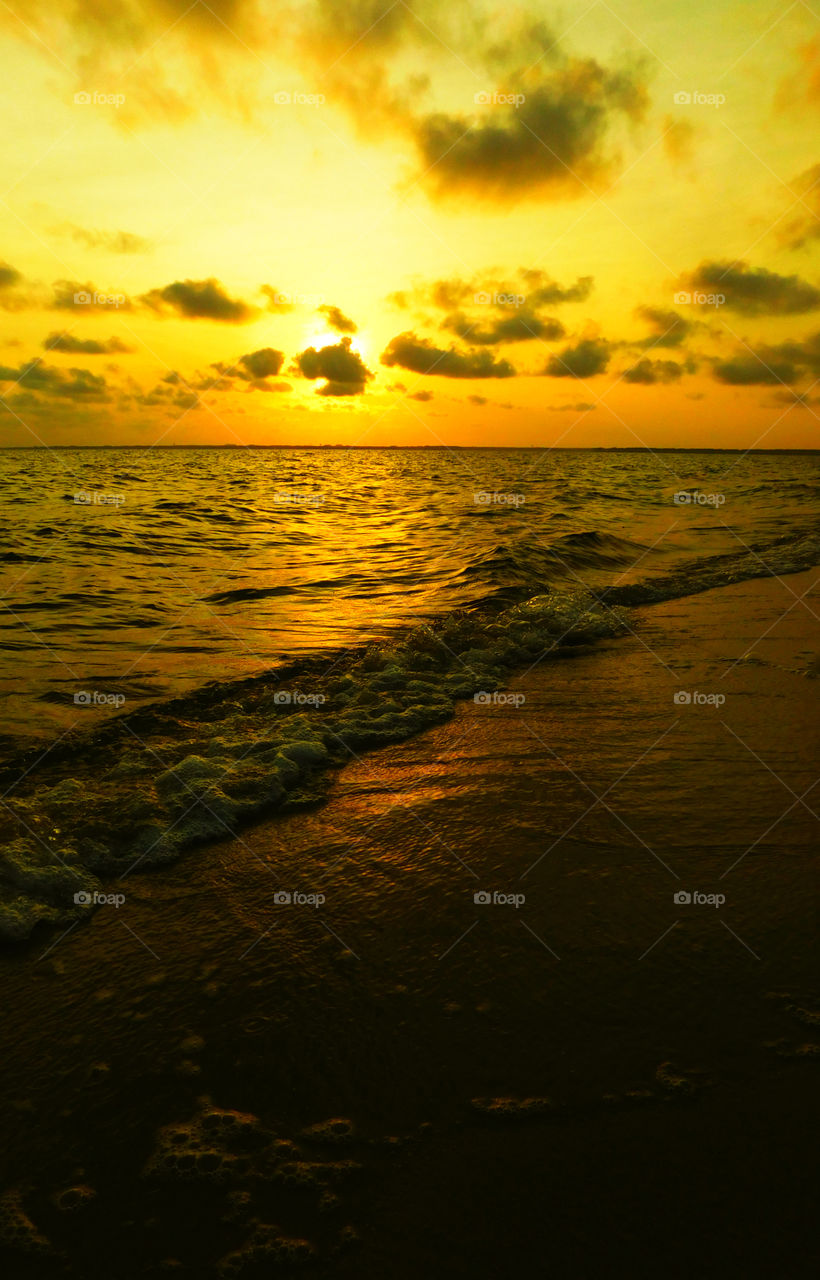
{"points": [[344, 369], [421, 395], [71, 384], [571, 408], [420, 356], [648, 371], [337, 319], [524, 326], [769, 364], [582, 360], [264, 363], [200, 300], [110, 241], [753, 291], [9, 276], [748, 370], [669, 329], [554, 143], [479, 400], [84, 346]]}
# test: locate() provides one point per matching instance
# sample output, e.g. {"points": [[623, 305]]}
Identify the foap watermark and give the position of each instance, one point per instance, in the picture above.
{"points": [[485, 898], [684, 899], [694, 497], [97, 99], [487, 299], [281, 299], [284, 98], [290, 496], [292, 698], [284, 898], [485, 499], [698, 99], [499, 699], [491, 98], [683, 698], [93, 698], [697, 298], [98, 498], [96, 899], [84, 298]]}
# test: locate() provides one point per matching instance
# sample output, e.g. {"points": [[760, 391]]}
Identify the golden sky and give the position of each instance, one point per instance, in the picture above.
{"points": [[365, 222]]}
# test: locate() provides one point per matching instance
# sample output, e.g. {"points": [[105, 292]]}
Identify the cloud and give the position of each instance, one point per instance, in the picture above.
{"points": [[544, 291], [62, 341], [263, 363], [71, 384], [584, 359], [668, 328], [648, 372], [753, 291], [523, 326], [748, 370], [110, 241], [200, 300], [554, 143], [408, 351], [422, 395], [583, 407], [480, 400], [9, 276], [769, 365], [337, 319], [344, 369], [804, 227]]}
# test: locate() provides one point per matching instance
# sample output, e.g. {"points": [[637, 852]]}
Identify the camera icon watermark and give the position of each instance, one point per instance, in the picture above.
{"points": [[694, 497], [84, 99], [484, 898], [499, 699], [484, 499], [96, 899], [684, 899], [698, 99], [486, 299], [286, 99], [83, 298], [93, 698], [486, 98], [291, 698], [285, 898], [289, 496], [683, 698], [96, 498], [697, 298]]}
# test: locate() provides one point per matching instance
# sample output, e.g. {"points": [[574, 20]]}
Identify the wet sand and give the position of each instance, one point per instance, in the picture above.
{"points": [[595, 1081]]}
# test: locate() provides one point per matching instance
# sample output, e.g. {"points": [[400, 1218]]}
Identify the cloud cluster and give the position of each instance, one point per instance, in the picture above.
{"points": [[66, 342]]}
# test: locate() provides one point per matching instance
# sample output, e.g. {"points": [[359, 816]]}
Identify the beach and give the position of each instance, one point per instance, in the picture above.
{"points": [[540, 1080]]}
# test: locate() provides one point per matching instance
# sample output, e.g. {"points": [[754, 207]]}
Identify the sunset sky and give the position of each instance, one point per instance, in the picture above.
{"points": [[364, 222]]}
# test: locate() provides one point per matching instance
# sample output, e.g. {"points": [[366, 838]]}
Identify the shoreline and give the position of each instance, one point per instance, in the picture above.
{"points": [[429, 1021]]}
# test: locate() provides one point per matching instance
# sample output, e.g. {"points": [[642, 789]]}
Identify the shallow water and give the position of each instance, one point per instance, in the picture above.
{"points": [[181, 566]]}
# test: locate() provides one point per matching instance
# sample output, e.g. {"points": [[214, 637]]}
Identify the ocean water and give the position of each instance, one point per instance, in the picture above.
{"points": [[132, 576], [193, 638]]}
